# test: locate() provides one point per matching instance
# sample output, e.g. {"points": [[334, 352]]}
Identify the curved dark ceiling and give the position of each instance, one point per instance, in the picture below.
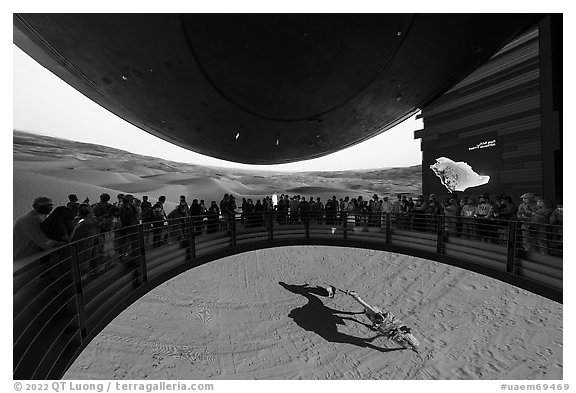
{"points": [[264, 88]]}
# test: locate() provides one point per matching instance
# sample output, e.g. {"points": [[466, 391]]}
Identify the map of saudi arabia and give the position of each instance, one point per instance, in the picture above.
{"points": [[457, 176]]}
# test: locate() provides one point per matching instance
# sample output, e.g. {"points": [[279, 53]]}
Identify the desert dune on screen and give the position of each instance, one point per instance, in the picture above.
{"points": [[56, 167]]}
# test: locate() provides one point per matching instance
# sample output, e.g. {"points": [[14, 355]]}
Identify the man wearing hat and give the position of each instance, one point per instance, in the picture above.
{"points": [[525, 212], [28, 236]]}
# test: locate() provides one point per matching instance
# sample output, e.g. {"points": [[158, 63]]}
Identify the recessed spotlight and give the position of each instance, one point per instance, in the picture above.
{"points": [[124, 77], [399, 33], [237, 135], [277, 142]]}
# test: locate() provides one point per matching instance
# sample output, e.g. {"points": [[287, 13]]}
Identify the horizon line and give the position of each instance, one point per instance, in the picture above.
{"points": [[215, 166]]}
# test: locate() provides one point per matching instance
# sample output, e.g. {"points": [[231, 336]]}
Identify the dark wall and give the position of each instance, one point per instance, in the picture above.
{"points": [[551, 90], [513, 99]]}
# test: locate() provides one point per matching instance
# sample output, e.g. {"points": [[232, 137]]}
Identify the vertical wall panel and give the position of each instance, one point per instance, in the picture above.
{"points": [[500, 101]]}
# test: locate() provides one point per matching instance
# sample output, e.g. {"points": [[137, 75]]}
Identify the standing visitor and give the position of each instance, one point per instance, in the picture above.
{"points": [[525, 212], [27, 234], [213, 215], [158, 220], [484, 213], [73, 204], [539, 229], [86, 231]]}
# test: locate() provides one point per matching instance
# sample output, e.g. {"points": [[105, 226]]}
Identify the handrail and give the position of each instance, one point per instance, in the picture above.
{"points": [[92, 285]]}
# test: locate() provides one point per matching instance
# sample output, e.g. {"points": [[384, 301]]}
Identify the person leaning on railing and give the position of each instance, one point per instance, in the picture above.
{"points": [[109, 229], [525, 212], [484, 213], [432, 210], [59, 225], [556, 219], [197, 217], [539, 229], [450, 210], [504, 211], [467, 213], [419, 215], [177, 218], [213, 215], [87, 229], [28, 236]]}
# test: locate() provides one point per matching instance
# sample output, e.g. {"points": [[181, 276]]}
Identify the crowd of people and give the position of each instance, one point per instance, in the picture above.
{"points": [[107, 229], [540, 220]]}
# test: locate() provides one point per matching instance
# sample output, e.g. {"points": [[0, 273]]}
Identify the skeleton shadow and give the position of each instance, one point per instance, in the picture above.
{"points": [[315, 317]]}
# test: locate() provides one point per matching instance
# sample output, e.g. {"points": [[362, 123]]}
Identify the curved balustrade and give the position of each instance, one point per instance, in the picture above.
{"points": [[63, 298]]}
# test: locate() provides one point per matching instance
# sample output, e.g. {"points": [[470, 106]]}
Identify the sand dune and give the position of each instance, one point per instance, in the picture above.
{"points": [[230, 319], [171, 178], [322, 192], [96, 169], [96, 177], [236, 187], [56, 181], [220, 186], [59, 179]]}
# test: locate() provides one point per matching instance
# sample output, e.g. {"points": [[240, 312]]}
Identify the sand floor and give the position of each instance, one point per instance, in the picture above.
{"points": [[231, 319]]}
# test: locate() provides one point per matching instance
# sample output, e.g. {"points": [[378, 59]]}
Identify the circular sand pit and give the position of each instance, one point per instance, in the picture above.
{"points": [[232, 319]]}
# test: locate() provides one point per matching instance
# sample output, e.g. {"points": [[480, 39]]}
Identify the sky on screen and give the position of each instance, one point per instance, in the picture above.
{"points": [[46, 105]]}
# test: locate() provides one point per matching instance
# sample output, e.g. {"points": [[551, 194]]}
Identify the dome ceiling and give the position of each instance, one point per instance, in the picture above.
{"points": [[264, 88]]}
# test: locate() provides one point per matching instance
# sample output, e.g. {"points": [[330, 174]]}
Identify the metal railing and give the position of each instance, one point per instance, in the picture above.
{"points": [[63, 298]]}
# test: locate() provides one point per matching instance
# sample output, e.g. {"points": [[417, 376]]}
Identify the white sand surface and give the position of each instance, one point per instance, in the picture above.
{"points": [[231, 319]]}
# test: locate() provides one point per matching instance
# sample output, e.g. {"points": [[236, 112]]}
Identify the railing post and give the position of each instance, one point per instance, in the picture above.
{"points": [[79, 290], [142, 253], [440, 234], [271, 217], [387, 226], [511, 258], [192, 237], [345, 225], [233, 229]]}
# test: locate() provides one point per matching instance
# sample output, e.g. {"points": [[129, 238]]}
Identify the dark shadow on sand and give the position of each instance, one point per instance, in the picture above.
{"points": [[322, 320]]}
